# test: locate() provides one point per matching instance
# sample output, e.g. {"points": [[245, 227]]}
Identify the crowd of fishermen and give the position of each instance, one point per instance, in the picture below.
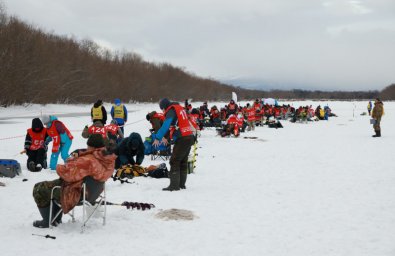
{"points": [[233, 118], [176, 127]]}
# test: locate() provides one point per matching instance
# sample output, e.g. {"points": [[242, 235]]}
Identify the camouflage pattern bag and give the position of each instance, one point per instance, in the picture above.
{"points": [[130, 171]]}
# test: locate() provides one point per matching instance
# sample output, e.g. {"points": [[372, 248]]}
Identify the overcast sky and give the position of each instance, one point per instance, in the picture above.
{"points": [[307, 44]]}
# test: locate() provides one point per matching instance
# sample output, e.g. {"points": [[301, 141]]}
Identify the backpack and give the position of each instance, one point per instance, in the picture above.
{"points": [[130, 171], [160, 172], [9, 168]]}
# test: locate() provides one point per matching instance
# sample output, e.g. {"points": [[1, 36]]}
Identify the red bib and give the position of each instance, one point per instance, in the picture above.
{"points": [[182, 120], [38, 138]]}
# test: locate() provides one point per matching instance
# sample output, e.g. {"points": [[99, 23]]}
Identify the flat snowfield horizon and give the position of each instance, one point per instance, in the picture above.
{"points": [[321, 188]]}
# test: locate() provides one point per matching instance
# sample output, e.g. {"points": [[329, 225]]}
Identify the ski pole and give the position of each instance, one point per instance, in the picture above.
{"points": [[46, 236]]}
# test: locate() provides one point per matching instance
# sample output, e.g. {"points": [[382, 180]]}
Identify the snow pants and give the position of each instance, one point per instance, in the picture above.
{"points": [[376, 126], [179, 161], [37, 156], [63, 151]]}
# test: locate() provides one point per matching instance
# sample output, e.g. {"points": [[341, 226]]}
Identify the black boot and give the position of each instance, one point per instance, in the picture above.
{"points": [[44, 223], [174, 182], [183, 179], [378, 134], [39, 167], [31, 166]]}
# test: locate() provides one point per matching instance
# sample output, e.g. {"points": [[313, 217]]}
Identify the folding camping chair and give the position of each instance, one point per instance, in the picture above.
{"points": [[162, 152], [85, 201]]}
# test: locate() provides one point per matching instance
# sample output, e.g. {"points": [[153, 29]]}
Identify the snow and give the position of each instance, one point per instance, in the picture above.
{"points": [[321, 188]]}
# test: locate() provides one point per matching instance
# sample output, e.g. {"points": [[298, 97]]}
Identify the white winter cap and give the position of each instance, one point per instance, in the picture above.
{"points": [[45, 119]]}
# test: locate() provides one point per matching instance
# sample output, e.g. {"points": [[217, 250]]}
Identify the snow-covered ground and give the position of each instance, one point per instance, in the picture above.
{"points": [[322, 188]]}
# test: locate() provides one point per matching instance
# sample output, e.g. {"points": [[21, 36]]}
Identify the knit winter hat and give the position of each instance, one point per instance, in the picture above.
{"points": [[164, 103], [95, 141], [45, 119]]}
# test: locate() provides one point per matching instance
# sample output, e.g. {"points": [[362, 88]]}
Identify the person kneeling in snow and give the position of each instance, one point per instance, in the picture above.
{"points": [[128, 148], [35, 147], [232, 127], [95, 162]]}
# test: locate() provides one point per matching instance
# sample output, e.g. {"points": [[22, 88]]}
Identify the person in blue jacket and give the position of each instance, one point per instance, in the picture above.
{"points": [[119, 113], [61, 137], [183, 137]]}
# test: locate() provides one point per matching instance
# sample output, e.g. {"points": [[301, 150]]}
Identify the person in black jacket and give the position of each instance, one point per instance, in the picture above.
{"points": [[35, 147], [99, 112], [128, 148]]}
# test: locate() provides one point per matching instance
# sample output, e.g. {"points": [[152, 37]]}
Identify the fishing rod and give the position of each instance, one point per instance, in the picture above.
{"points": [[46, 236]]}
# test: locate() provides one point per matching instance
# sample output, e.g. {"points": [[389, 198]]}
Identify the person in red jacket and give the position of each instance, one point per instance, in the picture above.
{"points": [[61, 137], [183, 137], [156, 120], [215, 116], [257, 105], [35, 147], [232, 126], [232, 108], [114, 135], [113, 131], [96, 128]]}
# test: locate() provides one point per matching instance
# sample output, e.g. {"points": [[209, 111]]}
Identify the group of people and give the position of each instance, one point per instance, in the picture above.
{"points": [[103, 154], [49, 128], [232, 118], [108, 149]]}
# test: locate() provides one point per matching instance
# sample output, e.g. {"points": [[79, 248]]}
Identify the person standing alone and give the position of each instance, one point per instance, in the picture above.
{"points": [[99, 112], [119, 113], [369, 107], [377, 113], [183, 138]]}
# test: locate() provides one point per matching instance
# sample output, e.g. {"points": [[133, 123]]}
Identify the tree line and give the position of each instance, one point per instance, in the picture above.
{"points": [[40, 67]]}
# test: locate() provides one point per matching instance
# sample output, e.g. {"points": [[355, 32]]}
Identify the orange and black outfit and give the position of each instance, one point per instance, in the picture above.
{"points": [[35, 146], [183, 138]]}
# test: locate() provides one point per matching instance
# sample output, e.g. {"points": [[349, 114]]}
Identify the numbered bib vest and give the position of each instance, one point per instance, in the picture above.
{"points": [[231, 106], [97, 113], [112, 129], [194, 120], [232, 120], [97, 130], [118, 111], [322, 113], [183, 122], [251, 114], [38, 138], [257, 106], [53, 133], [159, 116]]}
